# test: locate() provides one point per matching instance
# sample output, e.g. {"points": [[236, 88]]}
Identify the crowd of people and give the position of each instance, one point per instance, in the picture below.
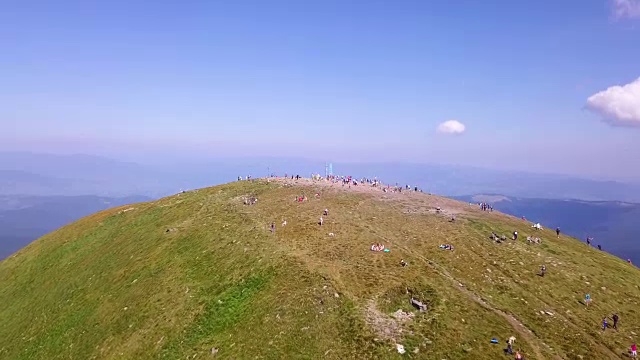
{"points": [[485, 207]]}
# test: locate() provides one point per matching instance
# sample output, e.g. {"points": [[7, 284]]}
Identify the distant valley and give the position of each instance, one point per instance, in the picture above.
{"points": [[26, 218], [612, 224]]}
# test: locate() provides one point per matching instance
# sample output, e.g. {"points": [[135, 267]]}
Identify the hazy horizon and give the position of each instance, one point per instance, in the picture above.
{"points": [[46, 174], [160, 159], [167, 159]]}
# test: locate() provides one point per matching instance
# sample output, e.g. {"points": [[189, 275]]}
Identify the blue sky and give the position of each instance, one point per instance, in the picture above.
{"points": [[351, 81]]}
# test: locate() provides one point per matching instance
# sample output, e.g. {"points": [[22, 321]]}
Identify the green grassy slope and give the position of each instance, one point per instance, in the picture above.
{"points": [[174, 278]]}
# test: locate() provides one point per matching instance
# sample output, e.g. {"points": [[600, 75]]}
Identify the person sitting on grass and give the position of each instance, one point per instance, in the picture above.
{"points": [[510, 342], [377, 247]]}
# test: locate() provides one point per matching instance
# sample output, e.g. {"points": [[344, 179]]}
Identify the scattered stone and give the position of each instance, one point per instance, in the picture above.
{"points": [[125, 308], [336, 295], [603, 288], [214, 351], [549, 313], [134, 281], [418, 305], [521, 263], [402, 316], [400, 348]]}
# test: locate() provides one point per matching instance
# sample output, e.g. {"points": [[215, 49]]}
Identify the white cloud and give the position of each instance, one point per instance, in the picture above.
{"points": [[618, 105], [451, 127], [625, 9]]}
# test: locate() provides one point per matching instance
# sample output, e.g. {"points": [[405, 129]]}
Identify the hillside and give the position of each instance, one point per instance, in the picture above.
{"points": [[200, 273], [611, 224]]}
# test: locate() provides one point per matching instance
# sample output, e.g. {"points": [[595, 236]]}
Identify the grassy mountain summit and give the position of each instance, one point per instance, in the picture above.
{"points": [[199, 274]]}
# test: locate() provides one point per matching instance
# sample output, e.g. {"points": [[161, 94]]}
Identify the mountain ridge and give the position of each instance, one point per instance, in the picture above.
{"points": [[103, 176]]}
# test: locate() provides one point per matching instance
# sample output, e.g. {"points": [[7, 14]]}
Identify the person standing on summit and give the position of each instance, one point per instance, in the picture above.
{"points": [[558, 232]]}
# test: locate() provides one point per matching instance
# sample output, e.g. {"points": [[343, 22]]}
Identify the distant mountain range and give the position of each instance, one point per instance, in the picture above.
{"points": [[612, 224], [44, 174], [26, 218]]}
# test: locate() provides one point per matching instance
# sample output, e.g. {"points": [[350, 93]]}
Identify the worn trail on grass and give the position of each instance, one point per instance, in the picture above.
{"points": [[526, 333], [611, 353], [540, 349]]}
